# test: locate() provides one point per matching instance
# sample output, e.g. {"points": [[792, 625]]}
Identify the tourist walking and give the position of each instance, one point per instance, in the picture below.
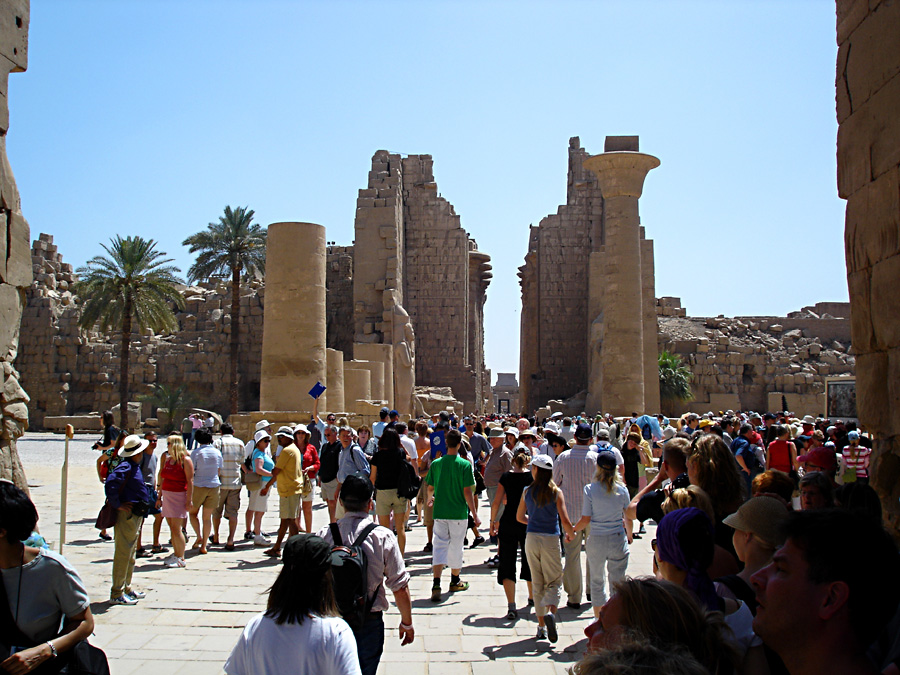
{"points": [[542, 509], [384, 569], [207, 462], [509, 532], [387, 463], [288, 475], [126, 492], [257, 479], [329, 462], [301, 630], [573, 469], [229, 504], [246, 474], [781, 454], [149, 463], [603, 510], [451, 495], [176, 480], [311, 466], [109, 447]]}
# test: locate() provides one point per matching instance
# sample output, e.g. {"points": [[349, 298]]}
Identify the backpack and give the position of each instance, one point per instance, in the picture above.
{"points": [[646, 432], [350, 570], [408, 481]]}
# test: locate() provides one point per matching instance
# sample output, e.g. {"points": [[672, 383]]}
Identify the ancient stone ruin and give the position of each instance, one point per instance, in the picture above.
{"points": [[589, 317], [577, 304], [419, 265], [15, 263]]}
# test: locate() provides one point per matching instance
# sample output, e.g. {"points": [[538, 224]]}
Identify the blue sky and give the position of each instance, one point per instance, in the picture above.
{"points": [[148, 118]]}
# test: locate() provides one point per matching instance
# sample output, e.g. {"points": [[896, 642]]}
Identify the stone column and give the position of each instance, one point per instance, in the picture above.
{"points": [[293, 351], [376, 368], [357, 386], [383, 354], [619, 372], [335, 383]]}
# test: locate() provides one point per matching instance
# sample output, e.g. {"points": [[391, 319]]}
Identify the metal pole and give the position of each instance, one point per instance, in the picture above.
{"points": [[64, 492]]}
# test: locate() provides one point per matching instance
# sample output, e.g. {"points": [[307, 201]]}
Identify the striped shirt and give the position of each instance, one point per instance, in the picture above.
{"points": [[572, 470], [232, 450], [857, 458]]}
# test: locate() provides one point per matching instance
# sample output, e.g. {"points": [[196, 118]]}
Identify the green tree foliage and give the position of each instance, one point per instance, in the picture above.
{"points": [[674, 378], [176, 400], [233, 246], [129, 288]]}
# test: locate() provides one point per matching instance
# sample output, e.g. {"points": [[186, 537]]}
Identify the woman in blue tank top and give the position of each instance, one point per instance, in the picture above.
{"points": [[542, 509]]}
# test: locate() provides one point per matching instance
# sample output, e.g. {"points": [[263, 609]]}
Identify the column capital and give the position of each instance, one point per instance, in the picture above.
{"points": [[621, 174]]}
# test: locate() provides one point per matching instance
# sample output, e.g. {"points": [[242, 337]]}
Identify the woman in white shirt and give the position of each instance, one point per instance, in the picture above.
{"points": [[301, 630]]}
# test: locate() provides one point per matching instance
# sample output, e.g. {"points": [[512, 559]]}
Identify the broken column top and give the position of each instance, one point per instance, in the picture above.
{"points": [[621, 144]]}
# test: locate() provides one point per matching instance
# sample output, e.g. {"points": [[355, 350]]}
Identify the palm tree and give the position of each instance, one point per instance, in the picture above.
{"points": [[674, 378], [132, 288], [232, 246], [175, 399]]}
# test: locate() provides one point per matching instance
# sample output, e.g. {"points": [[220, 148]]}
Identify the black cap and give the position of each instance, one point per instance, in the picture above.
{"points": [[356, 488], [583, 431], [307, 553]]}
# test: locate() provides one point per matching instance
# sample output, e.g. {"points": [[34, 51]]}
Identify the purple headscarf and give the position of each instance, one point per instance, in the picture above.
{"points": [[684, 538]]}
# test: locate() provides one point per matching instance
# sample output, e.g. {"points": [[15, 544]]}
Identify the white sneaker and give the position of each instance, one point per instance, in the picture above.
{"points": [[176, 562], [260, 540], [170, 559]]}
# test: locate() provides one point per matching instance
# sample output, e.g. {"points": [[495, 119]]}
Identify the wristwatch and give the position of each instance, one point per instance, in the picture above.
{"points": [[53, 652]]}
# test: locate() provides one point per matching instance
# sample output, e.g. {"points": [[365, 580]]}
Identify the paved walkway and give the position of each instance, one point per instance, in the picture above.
{"points": [[191, 618]]}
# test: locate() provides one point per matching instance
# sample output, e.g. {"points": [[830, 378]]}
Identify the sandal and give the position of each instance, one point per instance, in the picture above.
{"points": [[229, 547], [142, 553], [159, 548], [272, 552]]}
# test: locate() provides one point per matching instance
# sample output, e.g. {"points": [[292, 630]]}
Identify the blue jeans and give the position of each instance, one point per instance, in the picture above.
{"points": [[603, 550], [370, 643]]}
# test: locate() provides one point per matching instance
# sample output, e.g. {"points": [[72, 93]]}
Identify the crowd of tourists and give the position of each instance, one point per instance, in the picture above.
{"points": [[769, 555]]}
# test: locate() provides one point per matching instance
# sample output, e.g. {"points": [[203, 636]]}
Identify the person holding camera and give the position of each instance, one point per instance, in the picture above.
{"points": [[128, 494]]}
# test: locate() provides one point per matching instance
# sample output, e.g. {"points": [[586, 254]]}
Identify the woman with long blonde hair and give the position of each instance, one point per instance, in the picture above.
{"points": [[605, 501], [176, 481]]}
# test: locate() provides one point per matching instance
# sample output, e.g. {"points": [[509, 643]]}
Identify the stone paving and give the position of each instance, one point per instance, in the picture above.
{"points": [[191, 617]]}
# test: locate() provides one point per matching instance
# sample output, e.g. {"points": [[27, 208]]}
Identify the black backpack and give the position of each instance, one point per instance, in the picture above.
{"points": [[350, 568], [408, 481]]}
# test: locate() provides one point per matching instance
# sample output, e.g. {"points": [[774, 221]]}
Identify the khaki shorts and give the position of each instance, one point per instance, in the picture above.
{"points": [[205, 497], [289, 507], [229, 503], [387, 501], [428, 511], [329, 490]]}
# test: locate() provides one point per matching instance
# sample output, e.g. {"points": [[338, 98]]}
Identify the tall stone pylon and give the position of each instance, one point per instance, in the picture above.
{"points": [[616, 341], [293, 350]]}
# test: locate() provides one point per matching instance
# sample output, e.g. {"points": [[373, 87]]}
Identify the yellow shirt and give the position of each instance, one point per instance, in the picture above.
{"points": [[289, 464]]}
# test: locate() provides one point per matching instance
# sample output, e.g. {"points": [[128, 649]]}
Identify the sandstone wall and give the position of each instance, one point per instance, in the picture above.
{"points": [[868, 155], [554, 281], [72, 373], [15, 270], [744, 363]]}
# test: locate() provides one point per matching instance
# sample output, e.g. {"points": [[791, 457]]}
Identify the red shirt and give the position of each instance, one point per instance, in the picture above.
{"points": [[173, 478], [311, 461]]}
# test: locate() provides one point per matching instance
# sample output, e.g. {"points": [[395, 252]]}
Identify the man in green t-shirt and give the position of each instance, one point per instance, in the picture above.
{"points": [[450, 483]]}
